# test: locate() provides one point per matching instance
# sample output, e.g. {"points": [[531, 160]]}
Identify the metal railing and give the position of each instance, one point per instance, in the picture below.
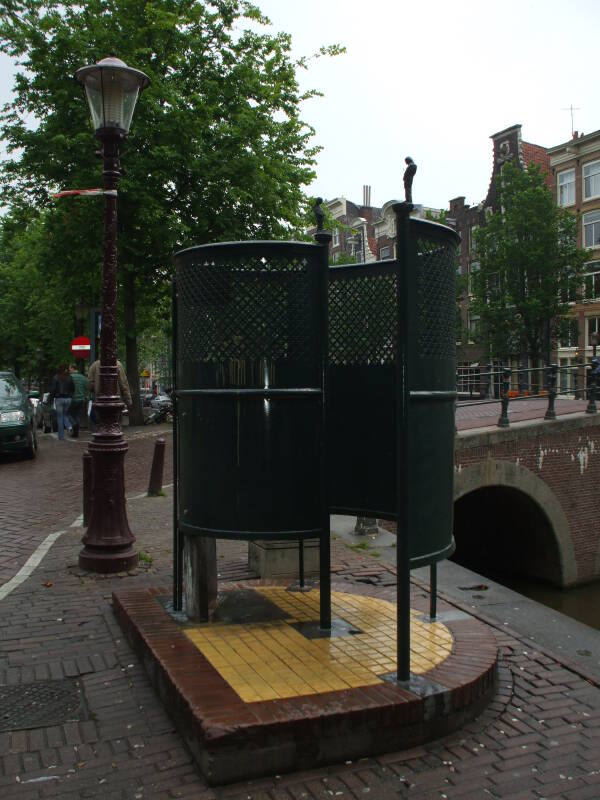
{"points": [[494, 384]]}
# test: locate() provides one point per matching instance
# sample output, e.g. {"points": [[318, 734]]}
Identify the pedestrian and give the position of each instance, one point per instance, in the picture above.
{"points": [[78, 400], [61, 392], [93, 382]]}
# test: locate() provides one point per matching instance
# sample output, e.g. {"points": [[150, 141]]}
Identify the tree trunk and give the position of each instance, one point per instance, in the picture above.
{"points": [[135, 412]]}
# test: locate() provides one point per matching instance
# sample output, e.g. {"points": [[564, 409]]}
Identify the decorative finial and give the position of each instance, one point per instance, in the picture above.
{"points": [[319, 214], [409, 174]]}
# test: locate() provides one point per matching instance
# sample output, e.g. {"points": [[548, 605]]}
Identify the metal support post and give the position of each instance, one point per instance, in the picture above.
{"points": [[433, 590], [301, 562], [403, 301], [324, 239], [503, 421], [177, 537]]}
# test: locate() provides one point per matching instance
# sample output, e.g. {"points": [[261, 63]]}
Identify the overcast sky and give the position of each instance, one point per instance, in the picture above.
{"points": [[433, 80]]}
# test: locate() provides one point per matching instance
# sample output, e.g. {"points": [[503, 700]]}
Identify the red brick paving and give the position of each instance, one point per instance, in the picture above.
{"points": [[36, 497], [539, 737]]}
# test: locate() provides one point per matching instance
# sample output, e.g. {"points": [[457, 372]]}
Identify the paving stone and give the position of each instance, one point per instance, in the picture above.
{"points": [[89, 643]]}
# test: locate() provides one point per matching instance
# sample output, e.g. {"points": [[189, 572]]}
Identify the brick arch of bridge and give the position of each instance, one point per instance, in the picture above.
{"points": [[508, 475]]}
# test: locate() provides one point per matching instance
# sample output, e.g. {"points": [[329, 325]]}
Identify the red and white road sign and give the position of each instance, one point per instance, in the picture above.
{"points": [[80, 347]]}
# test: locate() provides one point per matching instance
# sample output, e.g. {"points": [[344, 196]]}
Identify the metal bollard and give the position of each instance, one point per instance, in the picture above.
{"points": [[503, 421], [88, 480], [551, 378], [156, 473], [591, 406]]}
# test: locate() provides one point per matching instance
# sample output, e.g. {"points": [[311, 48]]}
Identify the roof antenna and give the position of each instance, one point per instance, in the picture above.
{"points": [[572, 108]]}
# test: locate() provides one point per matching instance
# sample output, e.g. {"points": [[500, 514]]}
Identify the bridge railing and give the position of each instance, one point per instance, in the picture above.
{"points": [[478, 386]]}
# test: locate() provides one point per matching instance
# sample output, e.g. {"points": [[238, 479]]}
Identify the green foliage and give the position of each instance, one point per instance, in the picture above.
{"points": [[36, 316], [440, 217], [218, 150], [528, 259], [344, 258], [462, 284]]}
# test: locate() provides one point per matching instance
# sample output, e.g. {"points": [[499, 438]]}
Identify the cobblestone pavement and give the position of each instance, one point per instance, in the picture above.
{"points": [[35, 495], [480, 415], [539, 738]]}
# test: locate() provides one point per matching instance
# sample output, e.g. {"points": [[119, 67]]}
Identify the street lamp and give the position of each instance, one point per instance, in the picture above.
{"points": [[595, 340], [111, 89]]}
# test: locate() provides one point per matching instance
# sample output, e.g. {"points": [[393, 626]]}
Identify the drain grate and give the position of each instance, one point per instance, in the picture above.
{"points": [[39, 704]]}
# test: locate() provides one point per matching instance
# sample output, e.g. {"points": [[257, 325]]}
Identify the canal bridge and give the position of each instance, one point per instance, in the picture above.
{"points": [[527, 496]]}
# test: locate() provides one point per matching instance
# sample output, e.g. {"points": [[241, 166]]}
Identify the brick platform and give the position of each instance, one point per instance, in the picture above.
{"points": [[453, 663]]}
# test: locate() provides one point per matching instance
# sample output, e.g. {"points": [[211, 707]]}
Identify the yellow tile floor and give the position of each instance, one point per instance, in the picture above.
{"points": [[273, 660]]}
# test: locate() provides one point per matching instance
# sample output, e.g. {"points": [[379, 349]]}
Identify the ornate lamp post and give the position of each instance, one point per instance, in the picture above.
{"points": [[112, 89]]}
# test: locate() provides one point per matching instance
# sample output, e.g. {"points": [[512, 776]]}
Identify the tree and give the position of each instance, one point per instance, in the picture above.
{"points": [[218, 149], [36, 317], [528, 260]]}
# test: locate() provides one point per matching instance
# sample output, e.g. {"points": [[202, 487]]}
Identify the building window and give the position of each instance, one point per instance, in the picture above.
{"points": [[468, 377], [591, 281], [591, 229], [384, 253], [473, 268], [473, 240], [591, 326], [568, 368], [565, 187], [473, 326], [568, 292], [591, 180], [570, 333], [336, 237]]}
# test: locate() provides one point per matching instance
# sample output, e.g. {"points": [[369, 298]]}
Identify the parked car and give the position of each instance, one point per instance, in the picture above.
{"points": [[17, 425], [161, 401], [146, 398], [46, 414]]}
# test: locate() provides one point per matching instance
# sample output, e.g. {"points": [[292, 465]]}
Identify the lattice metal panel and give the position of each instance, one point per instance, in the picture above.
{"points": [[40, 704], [245, 308], [436, 298], [362, 318]]}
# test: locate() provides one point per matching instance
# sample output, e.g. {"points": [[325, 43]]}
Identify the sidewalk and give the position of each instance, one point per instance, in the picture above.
{"points": [[475, 414], [538, 738]]}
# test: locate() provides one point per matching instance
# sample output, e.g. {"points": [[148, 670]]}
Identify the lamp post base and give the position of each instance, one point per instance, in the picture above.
{"points": [[107, 561], [108, 541]]}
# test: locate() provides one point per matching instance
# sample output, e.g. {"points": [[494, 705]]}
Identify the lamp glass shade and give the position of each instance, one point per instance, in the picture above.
{"points": [[112, 89]]}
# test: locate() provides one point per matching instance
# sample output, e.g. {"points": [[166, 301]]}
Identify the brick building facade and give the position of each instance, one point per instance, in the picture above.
{"points": [[507, 145], [575, 173], [356, 234]]}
